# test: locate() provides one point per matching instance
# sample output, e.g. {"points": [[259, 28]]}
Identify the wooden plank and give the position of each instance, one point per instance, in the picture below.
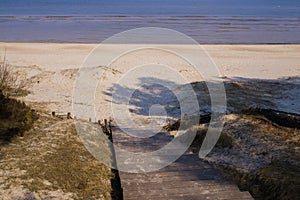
{"points": [[186, 178]]}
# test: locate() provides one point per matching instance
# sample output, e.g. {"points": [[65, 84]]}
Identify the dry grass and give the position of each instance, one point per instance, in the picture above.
{"points": [[197, 134], [262, 125], [11, 81], [15, 118], [51, 162], [264, 158], [224, 141]]}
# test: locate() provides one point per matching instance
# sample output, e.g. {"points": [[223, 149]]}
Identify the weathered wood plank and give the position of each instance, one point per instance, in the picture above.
{"points": [[186, 178]]}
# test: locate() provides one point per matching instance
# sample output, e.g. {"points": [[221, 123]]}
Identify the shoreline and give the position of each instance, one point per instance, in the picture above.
{"points": [[204, 44]]}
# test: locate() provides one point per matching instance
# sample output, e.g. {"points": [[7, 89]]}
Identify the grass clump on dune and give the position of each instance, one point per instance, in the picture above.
{"points": [[15, 118]]}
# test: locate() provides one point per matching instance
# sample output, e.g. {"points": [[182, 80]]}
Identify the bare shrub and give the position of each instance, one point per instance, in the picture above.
{"points": [[11, 80]]}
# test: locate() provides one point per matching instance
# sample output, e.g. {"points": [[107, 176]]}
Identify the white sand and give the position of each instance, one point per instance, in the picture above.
{"points": [[252, 61], [53, 68]]}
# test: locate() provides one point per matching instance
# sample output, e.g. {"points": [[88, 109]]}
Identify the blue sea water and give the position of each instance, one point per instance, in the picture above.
{"points": [[207, 21]]}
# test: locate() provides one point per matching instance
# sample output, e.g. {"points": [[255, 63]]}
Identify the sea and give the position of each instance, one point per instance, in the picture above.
{"points": [[206, 21]]}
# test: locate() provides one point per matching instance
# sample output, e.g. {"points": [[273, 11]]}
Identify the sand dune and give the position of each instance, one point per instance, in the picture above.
{"points": [[52, 68]]}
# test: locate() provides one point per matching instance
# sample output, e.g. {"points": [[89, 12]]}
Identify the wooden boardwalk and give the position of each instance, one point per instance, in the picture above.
{"points": [[188, 178]]}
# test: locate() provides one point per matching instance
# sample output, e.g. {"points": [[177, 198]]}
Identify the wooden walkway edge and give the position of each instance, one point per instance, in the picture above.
{"points": [[188, 178]]}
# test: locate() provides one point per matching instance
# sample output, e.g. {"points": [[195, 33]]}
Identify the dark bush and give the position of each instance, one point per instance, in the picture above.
{"points": [[15, 118]]}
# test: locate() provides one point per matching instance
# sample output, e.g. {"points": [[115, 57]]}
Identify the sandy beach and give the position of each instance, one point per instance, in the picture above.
{"points": [[52, 67], [263, 76], [249, 61], [149, 99]]}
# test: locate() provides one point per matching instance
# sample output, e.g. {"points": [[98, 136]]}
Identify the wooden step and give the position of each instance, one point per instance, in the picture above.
{"points": [[188, 178]]}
